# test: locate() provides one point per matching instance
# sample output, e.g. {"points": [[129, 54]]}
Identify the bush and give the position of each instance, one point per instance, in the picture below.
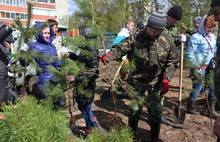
{"points": [[29, 121]]}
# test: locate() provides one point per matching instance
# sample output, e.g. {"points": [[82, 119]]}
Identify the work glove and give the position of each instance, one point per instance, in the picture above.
{"points": [[165, 86], [106, 58]]}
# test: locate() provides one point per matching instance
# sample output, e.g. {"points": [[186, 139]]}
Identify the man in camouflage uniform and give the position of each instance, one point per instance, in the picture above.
{"points": [[154, 57], [174, 14], [215, 10]]}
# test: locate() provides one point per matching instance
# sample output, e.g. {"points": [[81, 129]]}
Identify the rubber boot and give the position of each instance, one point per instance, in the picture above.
{"points": [[133, 122], [191, 107], [155, 129], [165, 121], [213, 113], [133, 118]]}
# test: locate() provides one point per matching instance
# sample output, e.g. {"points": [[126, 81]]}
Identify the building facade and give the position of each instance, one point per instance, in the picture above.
{"points": [[42, 10]]}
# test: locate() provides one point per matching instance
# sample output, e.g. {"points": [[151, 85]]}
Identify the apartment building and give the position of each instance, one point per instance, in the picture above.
{"points": [[42, 10]]}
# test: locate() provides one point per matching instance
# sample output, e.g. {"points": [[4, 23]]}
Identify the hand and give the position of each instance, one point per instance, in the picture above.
{"points": [[106, 58], [165, 86], [70, 78]]}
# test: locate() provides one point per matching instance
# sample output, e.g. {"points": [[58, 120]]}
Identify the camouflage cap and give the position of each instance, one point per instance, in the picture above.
{"points": [[215, 4]]}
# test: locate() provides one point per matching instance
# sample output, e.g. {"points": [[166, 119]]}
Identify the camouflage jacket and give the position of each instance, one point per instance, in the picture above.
{"points": [[154, 59]]}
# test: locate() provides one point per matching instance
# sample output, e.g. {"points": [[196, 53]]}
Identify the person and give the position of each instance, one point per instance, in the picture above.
{"points": [[201, 49], [124, 32], [174, 14], [53, 24], [8, 92], [153, 56], [43, 45], [196, 22], [85, 98], [9, 45], [140, 27], [215, 11]]}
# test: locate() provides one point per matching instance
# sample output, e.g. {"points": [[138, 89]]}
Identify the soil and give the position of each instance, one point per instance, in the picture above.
{"points": [[196, 128]]}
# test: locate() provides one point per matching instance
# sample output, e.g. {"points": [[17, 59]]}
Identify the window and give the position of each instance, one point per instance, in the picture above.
{"points": [[7, 15], [12, 15]]}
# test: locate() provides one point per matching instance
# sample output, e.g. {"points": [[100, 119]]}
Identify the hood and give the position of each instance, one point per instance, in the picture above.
{"points": [[39, 37], [201, 28]]}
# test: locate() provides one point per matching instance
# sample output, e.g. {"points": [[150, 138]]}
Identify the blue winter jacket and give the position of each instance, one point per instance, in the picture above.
{"points": [[201, 47], [46, 48]]}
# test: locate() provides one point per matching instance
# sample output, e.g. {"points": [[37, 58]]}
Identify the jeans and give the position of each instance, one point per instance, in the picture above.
{"points": [[88, 115]]}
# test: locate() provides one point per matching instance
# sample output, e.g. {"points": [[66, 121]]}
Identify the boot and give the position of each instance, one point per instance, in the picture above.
{"points": [[133, 118], [133, 122], [87, 132], [191, 107], [155, 129], [165, 121], [213, 113]]}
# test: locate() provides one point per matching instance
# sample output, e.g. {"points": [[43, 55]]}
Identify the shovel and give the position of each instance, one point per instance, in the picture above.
{"points": [[178, 112]]}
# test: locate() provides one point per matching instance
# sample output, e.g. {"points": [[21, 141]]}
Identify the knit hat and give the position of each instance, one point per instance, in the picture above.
{"points": [[140, 25], [157, 20], [176, 12], [215, 4]]}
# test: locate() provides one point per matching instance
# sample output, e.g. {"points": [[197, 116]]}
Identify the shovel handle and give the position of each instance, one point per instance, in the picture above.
{"points": [[181, 71], [116, 74]]}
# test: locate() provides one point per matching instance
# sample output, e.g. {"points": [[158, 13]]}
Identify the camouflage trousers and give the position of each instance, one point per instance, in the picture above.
{"points": [[153, 97]]}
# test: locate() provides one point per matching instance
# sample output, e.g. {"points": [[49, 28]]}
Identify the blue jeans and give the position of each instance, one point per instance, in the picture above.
{"points": [[197, 86], [88, 115]]}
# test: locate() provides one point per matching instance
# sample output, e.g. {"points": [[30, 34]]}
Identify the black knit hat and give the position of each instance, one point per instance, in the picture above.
{"points": [[157, 20], [140, 25], [176, 12]]}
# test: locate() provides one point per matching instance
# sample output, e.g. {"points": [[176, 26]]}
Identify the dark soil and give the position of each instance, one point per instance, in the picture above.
{"points": [[196, 128]]}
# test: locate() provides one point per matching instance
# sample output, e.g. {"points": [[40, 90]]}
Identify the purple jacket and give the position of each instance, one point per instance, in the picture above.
{"points": [[46, 48]]}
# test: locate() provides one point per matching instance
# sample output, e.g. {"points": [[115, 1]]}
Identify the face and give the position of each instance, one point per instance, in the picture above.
{"points": [[216, 15], [55, 29], [130, 26], [46, 33], [152, 33], [207, 29], [172, 21]]}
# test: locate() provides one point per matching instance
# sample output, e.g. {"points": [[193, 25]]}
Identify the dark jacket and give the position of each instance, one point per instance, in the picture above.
{"points": [[91, 64], [8, 92]]}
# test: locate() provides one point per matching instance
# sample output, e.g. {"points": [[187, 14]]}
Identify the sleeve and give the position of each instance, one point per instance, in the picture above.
{"points": [[5, 31], [123, 48], [172, 62], [191, 52]]}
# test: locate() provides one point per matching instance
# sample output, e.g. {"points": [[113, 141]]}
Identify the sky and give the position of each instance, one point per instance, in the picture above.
{"points": [[71, 6]]}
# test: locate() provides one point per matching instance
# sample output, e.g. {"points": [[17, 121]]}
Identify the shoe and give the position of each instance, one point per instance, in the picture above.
{"points": [[165, 121], [87, 132]]}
